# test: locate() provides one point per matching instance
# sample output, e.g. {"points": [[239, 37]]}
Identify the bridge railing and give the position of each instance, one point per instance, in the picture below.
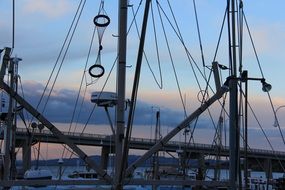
{"points": [[151, 141]]}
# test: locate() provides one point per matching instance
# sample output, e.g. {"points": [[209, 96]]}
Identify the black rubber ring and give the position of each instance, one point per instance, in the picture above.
{"points": [[98, 75], [101, 24]]}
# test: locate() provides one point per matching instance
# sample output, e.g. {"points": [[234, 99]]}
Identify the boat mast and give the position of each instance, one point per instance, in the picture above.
{"points": [[234, 127], [121, 80], [14, 85], [10, 155], [8, 130]]}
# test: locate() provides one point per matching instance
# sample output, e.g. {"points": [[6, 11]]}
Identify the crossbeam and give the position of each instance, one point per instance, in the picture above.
{"points": [[177, 129]]}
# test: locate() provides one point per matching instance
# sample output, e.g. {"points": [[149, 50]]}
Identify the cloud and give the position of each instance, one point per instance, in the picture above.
{"points": [[60, 108], [48, 8]]}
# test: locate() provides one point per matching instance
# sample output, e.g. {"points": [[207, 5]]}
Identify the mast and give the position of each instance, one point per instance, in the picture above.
{"points": [[14, 85], [9, 121], [121, 80], [234, 127], [10, 124]]}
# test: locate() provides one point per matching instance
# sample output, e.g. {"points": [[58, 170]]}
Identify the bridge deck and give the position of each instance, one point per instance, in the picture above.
{"points": [[144, 144]]}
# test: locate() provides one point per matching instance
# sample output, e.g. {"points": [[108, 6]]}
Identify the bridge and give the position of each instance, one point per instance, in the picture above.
{"points": [[141, 144], [268, 159]]}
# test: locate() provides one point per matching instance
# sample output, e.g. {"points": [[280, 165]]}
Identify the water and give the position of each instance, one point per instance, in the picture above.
{"points": [[139, 174]]}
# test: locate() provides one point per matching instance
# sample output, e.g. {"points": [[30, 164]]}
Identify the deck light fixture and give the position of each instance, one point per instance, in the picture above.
{"points": [[265, 86]]}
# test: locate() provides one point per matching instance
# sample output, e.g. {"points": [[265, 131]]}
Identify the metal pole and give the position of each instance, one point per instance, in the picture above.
{"points": [[14, 83], [134, 91], [9, 123], [234, 127], [245, 136], [110, 120], [121, 80], [7, 161]]}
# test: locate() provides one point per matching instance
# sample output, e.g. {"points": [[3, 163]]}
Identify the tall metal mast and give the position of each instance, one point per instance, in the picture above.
{"points": [[234, 127], [9, 120], [14, 85], [121, 80]]}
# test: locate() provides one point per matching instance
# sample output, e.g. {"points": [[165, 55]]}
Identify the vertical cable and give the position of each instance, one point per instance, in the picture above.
{"points": [[13, 26]]}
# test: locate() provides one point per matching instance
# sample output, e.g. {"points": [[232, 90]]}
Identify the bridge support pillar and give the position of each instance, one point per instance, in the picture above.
{"points": [[202, 166], [26, 155], [267, 163], [105, 157]]}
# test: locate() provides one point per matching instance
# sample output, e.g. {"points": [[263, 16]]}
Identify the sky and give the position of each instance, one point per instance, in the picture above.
{"points": [[42, 25]]}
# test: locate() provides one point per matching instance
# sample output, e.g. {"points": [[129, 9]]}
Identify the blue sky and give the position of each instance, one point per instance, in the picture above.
{"points": [[41, 26]]}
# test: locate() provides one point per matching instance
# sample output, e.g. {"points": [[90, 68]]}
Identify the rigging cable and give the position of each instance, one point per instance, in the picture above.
{"points": [[159, 84], [214, 59], [189, 58], [229, 39], [101, 21], [241, 109], [199, 36], [13, 27], [266, 137], [132, 106], [240, 36], [105, 83], [156, 47], [23, 95], [171, 60], [220, 35], [58, 57], [80, 87], [208, 85], [179, 35], [261, 71], [188, 54], [65, 53]]}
